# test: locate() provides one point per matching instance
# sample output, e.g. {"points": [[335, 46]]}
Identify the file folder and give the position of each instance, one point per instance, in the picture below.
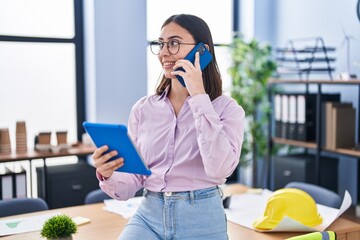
{"points": [[292, 117], [340, 125], [7, 186], [20, 184], [344, 127], [307, 115], [284, 116], [6, 183], [277, 111]]}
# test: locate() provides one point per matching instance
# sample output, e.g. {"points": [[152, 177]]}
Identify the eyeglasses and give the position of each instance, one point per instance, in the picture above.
{"points": [[173, 46]]}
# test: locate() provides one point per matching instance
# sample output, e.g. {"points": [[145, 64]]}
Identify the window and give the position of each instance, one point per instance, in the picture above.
{"points": [[41, 68], [38, 66], [221, 28], [37, 18]]}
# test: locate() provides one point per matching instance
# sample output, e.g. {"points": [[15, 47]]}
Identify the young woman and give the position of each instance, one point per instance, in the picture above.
{"points": [[190, 138]]}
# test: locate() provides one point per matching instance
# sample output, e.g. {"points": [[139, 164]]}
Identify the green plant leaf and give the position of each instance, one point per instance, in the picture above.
{"points": [[59, 226], [251, 69]]}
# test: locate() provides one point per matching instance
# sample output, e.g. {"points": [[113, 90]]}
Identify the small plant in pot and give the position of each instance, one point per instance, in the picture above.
{"points": [[59, 227]]}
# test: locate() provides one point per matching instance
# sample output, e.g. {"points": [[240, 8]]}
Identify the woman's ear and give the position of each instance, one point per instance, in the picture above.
{"points": [[207, 46]]}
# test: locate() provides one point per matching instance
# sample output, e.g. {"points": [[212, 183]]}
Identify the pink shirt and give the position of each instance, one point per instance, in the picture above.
{"points": [[197, 149]]}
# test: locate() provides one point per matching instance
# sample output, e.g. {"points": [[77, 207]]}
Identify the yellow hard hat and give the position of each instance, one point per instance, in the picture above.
{"points": [[291, 202]]}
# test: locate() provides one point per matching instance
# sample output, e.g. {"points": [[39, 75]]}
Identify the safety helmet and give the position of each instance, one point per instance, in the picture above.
{"points": [[291, 202]]}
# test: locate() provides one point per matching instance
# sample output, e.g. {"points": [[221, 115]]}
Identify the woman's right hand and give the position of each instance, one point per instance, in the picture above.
{"points": [[101, 163]]}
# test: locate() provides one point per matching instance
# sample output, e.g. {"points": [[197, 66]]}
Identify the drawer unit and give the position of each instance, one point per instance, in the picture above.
{"points": [[301, 167], [66, 185]]}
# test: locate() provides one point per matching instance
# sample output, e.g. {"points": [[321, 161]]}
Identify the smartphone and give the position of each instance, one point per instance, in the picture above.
{"points": [[205, 59]]}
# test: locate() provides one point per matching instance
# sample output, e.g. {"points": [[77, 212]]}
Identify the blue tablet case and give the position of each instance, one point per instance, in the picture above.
{"points": [[117, 138]]}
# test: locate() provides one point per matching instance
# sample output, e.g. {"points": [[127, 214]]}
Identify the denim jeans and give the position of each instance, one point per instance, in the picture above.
{"points": [[187, 215]]}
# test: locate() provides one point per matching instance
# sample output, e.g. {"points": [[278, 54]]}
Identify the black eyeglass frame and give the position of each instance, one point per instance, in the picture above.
{"points": [[161, 44]]}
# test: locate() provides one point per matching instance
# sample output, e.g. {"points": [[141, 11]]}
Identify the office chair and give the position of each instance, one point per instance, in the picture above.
{"points": [[15, 206], [319, 194], [98, 195]]}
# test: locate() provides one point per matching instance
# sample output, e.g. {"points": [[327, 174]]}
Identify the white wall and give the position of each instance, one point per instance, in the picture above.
{"points": [[115, 58], [277, 21]]}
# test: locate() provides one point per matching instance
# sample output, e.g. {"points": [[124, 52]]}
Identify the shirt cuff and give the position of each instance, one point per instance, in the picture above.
{"points": [[200, 104], [100, 177]]}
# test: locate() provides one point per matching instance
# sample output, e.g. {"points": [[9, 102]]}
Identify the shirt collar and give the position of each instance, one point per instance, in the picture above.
{"points": [[164, 93]]}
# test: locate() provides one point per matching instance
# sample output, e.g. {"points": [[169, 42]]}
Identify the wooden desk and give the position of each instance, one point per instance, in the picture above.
{"points": [[78, 150], [106, 225]]}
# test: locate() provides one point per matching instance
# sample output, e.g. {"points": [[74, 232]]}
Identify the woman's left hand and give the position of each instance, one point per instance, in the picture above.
{"points": [[192, 75]]}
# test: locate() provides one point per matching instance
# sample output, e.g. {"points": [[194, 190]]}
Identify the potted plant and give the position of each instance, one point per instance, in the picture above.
{"points": [[59, 227], [250, 71]]}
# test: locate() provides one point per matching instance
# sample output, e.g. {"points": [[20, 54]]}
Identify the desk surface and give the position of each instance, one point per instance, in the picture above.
{"points": [[77, 150], [106, 225]]}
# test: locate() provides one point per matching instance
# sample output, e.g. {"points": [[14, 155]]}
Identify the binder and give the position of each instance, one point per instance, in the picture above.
{"points": [[343, 122], [332, 111], [284, 116], [307, 110], [6, 183], [292, 117], [7, 186], [304, 117], [277, 111], [328, 125], [20, 184]]}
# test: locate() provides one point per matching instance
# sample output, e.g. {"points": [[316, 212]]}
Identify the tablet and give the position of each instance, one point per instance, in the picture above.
{"points": [[115, 136]]}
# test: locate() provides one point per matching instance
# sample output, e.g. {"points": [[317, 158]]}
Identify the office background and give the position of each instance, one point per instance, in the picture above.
{"points": [[117, 64]]}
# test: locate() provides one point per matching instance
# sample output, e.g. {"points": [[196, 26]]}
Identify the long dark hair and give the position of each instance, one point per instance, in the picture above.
{"points": [[201, 33]]}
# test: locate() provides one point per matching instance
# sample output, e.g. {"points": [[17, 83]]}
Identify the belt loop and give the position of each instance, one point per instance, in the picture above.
{"points": [[145, 191], [220, 191], [192, 198]]}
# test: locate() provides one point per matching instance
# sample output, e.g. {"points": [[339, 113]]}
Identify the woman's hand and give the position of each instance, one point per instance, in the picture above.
{"points": [[101, 163], [192, 75]]}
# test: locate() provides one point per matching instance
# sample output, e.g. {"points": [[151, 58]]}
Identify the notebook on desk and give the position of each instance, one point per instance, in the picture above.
{"points": [[115, 136]]}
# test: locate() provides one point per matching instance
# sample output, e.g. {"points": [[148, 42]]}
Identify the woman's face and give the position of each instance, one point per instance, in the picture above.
{"points": [[170, 32]]}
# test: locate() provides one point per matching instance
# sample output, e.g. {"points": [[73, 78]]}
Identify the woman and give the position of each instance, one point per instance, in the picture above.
{"points": [[190, 138]]}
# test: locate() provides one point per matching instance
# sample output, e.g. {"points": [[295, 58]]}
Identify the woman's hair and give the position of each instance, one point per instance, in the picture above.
{"points": [[201, 33]]}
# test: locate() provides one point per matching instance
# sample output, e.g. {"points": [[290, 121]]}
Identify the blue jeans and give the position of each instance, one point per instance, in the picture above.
{"points": [[187, 215]]}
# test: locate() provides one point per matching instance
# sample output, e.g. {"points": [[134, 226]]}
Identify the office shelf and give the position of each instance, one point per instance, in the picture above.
{"points": [[316, 146], [310, 145], [344, 151], [313, 145]]}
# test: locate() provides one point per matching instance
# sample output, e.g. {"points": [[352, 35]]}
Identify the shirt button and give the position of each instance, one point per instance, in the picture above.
{"points": [[168, 194]]}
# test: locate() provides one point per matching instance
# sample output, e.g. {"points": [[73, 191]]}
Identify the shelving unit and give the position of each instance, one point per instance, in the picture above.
{"points": [[301, 59], [312, 145], [309, 145]]}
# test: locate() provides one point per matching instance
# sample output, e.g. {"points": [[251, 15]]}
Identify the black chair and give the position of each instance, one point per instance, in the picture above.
{"points": [[321, 195], [98, 195], [15, 206]]}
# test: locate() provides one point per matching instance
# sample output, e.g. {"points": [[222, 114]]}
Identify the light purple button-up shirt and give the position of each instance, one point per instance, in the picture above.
{"points": [[197, 149]]}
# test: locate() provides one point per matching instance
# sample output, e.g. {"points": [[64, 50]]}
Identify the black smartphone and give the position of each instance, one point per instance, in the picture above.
{"points": [[205, 59]]}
